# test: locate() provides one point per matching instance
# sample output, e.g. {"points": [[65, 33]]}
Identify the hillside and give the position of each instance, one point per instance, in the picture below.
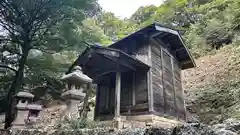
{"points": [[212, 88]]}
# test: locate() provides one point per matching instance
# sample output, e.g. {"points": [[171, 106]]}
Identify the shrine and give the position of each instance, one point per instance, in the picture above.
{"points": [[139, 76]]}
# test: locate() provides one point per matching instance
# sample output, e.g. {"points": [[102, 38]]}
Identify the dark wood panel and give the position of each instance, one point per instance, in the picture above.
{"points": [[180, 107], [158, 95], [103, 101], [168, 85], [141, 94], [142, 54]]}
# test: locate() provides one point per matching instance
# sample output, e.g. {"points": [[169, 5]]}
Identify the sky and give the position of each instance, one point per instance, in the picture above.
{"points": [[125, 8]]}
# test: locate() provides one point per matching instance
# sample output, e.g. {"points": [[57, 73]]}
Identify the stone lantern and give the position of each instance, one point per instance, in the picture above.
{"points": [[23, 99], [34, 111], [74, 93]]}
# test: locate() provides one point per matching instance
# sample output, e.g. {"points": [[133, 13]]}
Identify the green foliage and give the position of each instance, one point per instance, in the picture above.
{"points": [[143, 14], [215, 104], [76, 124]]}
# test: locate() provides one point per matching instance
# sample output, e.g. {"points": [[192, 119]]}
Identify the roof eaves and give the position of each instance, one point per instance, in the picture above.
{"points": [[175, 32]]}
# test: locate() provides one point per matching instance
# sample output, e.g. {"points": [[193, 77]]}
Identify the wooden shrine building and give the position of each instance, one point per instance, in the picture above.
{"points": [[139, 75]]}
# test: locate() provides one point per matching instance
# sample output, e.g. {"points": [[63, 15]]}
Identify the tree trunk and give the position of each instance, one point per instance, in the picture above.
{"points": [[14, 87]]}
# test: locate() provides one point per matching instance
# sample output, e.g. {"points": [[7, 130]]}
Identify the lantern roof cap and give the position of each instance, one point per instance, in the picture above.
{"points": [[24, 94], [77, 76]]}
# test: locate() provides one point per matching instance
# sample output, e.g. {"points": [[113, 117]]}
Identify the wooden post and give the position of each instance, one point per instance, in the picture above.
{"points": [[149, 81], [174, 87], [163, 85], [117, 94], [133, 89]]}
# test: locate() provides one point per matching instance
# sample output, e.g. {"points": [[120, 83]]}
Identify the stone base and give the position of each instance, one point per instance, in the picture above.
{"points": [[154, 120], [18, 126], [143, 121]]}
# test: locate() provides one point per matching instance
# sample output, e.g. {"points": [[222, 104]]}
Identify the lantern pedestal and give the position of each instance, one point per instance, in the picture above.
{"points": [[74, 93]]}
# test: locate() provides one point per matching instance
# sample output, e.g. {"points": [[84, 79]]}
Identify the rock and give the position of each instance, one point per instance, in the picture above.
{"points": [[196, 129], [228, 127], [225, 132]]}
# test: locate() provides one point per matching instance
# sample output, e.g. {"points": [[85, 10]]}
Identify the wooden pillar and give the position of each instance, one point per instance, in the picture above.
{"points": [[163, 85], [174, 88], [149, 81], [117, 93], [134, 89]]}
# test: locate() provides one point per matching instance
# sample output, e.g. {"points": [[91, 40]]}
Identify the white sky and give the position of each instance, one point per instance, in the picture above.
{"points": [[125, 8]]}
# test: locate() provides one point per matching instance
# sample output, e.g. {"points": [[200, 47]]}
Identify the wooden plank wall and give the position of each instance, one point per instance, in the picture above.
{"points": [[157, 85], [141, 92], [142, 54], [179, 92], [126, 91], [103, 101], [168, 84], [167, 88], [106, 92]]}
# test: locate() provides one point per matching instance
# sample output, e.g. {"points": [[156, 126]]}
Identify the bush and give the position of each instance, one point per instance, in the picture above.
{"points": [[81, 123], [217, 103], [217, 33]]}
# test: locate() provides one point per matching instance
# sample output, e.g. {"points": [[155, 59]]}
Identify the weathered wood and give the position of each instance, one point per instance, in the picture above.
{"points": [[158, 95], [178, 92], [102, 99], [168, 84], [133, 89], [142, 54], [140, 107], [141, 94], [163, 85], [174, 87], [96, 111], [117, 94], [107, 94], [126, 90], [149, 81], [121, 62]]}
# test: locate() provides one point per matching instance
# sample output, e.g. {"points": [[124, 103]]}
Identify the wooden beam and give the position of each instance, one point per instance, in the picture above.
{"points": [[174, 87], [134, 89], [117, 94], [120, 62], [108, 52], [164, 96], [179, 49], [149, 81], [156, 34], [103, 73], [159, 28]]}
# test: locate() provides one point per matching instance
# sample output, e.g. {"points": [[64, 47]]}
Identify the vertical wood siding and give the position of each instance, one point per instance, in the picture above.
{"points": [[142, 54], [168, 84], [166, 80], [157, 86], [179, 92], [141, 94], [126, 91]]}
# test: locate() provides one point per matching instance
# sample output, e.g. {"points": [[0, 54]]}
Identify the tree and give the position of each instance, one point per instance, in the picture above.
{"points": [[143, 14], [26, 24]]}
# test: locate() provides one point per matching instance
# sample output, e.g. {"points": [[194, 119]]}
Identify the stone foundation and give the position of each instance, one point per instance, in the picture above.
{"points": [[142, 121]]}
